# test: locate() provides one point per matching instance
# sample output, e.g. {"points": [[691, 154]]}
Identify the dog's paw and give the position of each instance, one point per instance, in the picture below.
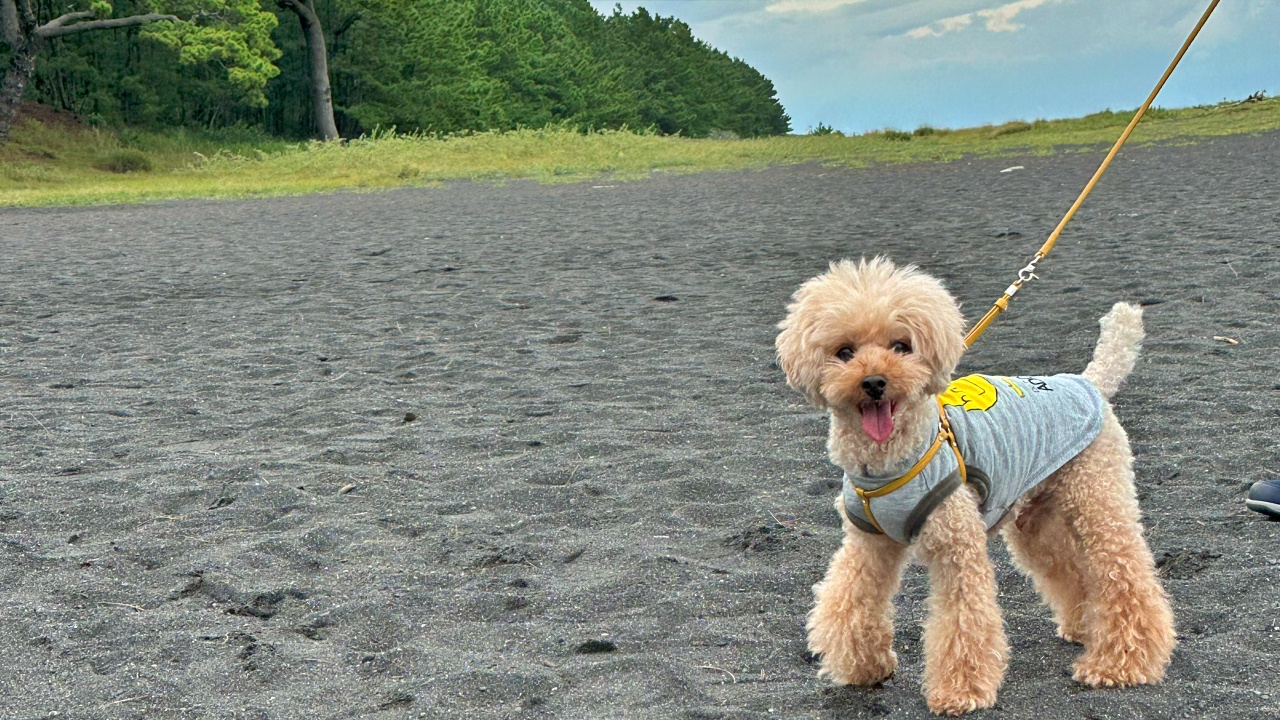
{"points": [[1071, 634], [1097, 671], [862, 671], [958, 701]]}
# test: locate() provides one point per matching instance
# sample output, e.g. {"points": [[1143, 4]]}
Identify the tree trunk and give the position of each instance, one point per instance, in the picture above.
{"points": [[318, 57], [21, 67]]}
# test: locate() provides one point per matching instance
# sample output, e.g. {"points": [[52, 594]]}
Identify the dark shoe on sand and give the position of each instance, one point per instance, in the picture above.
{"points": [[1264, 497]]}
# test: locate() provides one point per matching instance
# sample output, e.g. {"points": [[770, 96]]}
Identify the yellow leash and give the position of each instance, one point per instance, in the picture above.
{"points": [[1028, 272]]}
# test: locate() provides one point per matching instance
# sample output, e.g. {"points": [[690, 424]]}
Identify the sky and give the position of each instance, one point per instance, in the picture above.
{"points": [[861, 65]]}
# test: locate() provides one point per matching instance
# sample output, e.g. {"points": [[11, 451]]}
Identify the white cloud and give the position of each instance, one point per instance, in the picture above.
{"points": [[1001, 19], [808, 6], [998, 19], [942, 27]]}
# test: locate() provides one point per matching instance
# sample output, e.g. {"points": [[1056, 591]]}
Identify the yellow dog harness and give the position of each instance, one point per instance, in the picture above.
{"points": [[944, 435], [1006, 434]]}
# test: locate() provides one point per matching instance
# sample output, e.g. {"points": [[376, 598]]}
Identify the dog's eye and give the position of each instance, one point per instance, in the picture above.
{"points": [[900, 347], [845, 354]]}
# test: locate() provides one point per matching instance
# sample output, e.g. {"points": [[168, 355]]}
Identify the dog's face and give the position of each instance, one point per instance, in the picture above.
{"points": [[866, 340]]}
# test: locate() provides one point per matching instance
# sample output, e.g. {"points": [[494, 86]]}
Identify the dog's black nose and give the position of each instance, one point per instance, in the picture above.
{"points": [[873, 386]]}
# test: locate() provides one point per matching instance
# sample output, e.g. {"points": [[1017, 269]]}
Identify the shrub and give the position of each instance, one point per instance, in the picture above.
{"points": [[923, 131], [896, 135], [824, 129], [126, 161], [1010, 128]]}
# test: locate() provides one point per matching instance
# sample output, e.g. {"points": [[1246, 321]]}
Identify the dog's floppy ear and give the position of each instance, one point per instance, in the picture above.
{"points": [[798, 356], [937, 331]]}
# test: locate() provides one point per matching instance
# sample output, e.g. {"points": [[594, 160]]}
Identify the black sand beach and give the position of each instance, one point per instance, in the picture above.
{"points": [[523, 451]]}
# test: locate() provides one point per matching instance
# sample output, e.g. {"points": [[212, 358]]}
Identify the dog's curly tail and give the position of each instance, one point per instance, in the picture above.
{"points": [[1117, 349]]}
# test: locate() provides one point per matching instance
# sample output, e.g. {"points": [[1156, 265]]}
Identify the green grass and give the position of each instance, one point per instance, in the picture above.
{"points": [[53, 166]]}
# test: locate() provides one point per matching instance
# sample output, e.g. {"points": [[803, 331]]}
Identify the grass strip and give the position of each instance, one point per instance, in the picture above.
{"points": [[63, 164]]}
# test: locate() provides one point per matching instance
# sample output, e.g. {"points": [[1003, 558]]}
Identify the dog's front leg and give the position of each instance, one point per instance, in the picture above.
{"points": [[851, 624], [964, 643]]}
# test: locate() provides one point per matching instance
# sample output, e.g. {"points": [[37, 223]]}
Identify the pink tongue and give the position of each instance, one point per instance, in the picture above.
{"points": [[877, 420]]}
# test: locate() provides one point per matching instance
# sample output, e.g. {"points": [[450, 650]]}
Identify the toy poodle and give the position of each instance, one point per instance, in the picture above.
{"points": [[935, 465]]}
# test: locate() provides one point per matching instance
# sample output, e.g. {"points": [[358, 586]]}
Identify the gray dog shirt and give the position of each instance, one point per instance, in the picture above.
{"points": [[1013, 432]]}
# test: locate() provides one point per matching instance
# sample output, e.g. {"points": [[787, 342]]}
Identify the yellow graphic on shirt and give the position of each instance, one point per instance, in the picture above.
{"points": [[1012, 384], [976, 392]]}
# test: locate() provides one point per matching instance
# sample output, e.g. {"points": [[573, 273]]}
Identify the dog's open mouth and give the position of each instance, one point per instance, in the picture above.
{"points": [[877, 418]]}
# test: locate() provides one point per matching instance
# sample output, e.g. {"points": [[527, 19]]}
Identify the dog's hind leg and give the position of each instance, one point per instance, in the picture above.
{"points": [[851, 624], [1047, 550], [1129, 625], [965, 648]]}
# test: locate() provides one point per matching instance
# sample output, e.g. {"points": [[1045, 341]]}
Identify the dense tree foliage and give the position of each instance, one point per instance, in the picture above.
{"points": [[234, 34], [422, 65]]}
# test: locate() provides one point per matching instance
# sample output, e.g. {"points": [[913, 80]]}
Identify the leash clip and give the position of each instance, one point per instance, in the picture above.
{"points": [[1029, 272]]}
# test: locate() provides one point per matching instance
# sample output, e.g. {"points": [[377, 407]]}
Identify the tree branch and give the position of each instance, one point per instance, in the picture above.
{"points": [[346, 24], [63, 19], [58, 27]]}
